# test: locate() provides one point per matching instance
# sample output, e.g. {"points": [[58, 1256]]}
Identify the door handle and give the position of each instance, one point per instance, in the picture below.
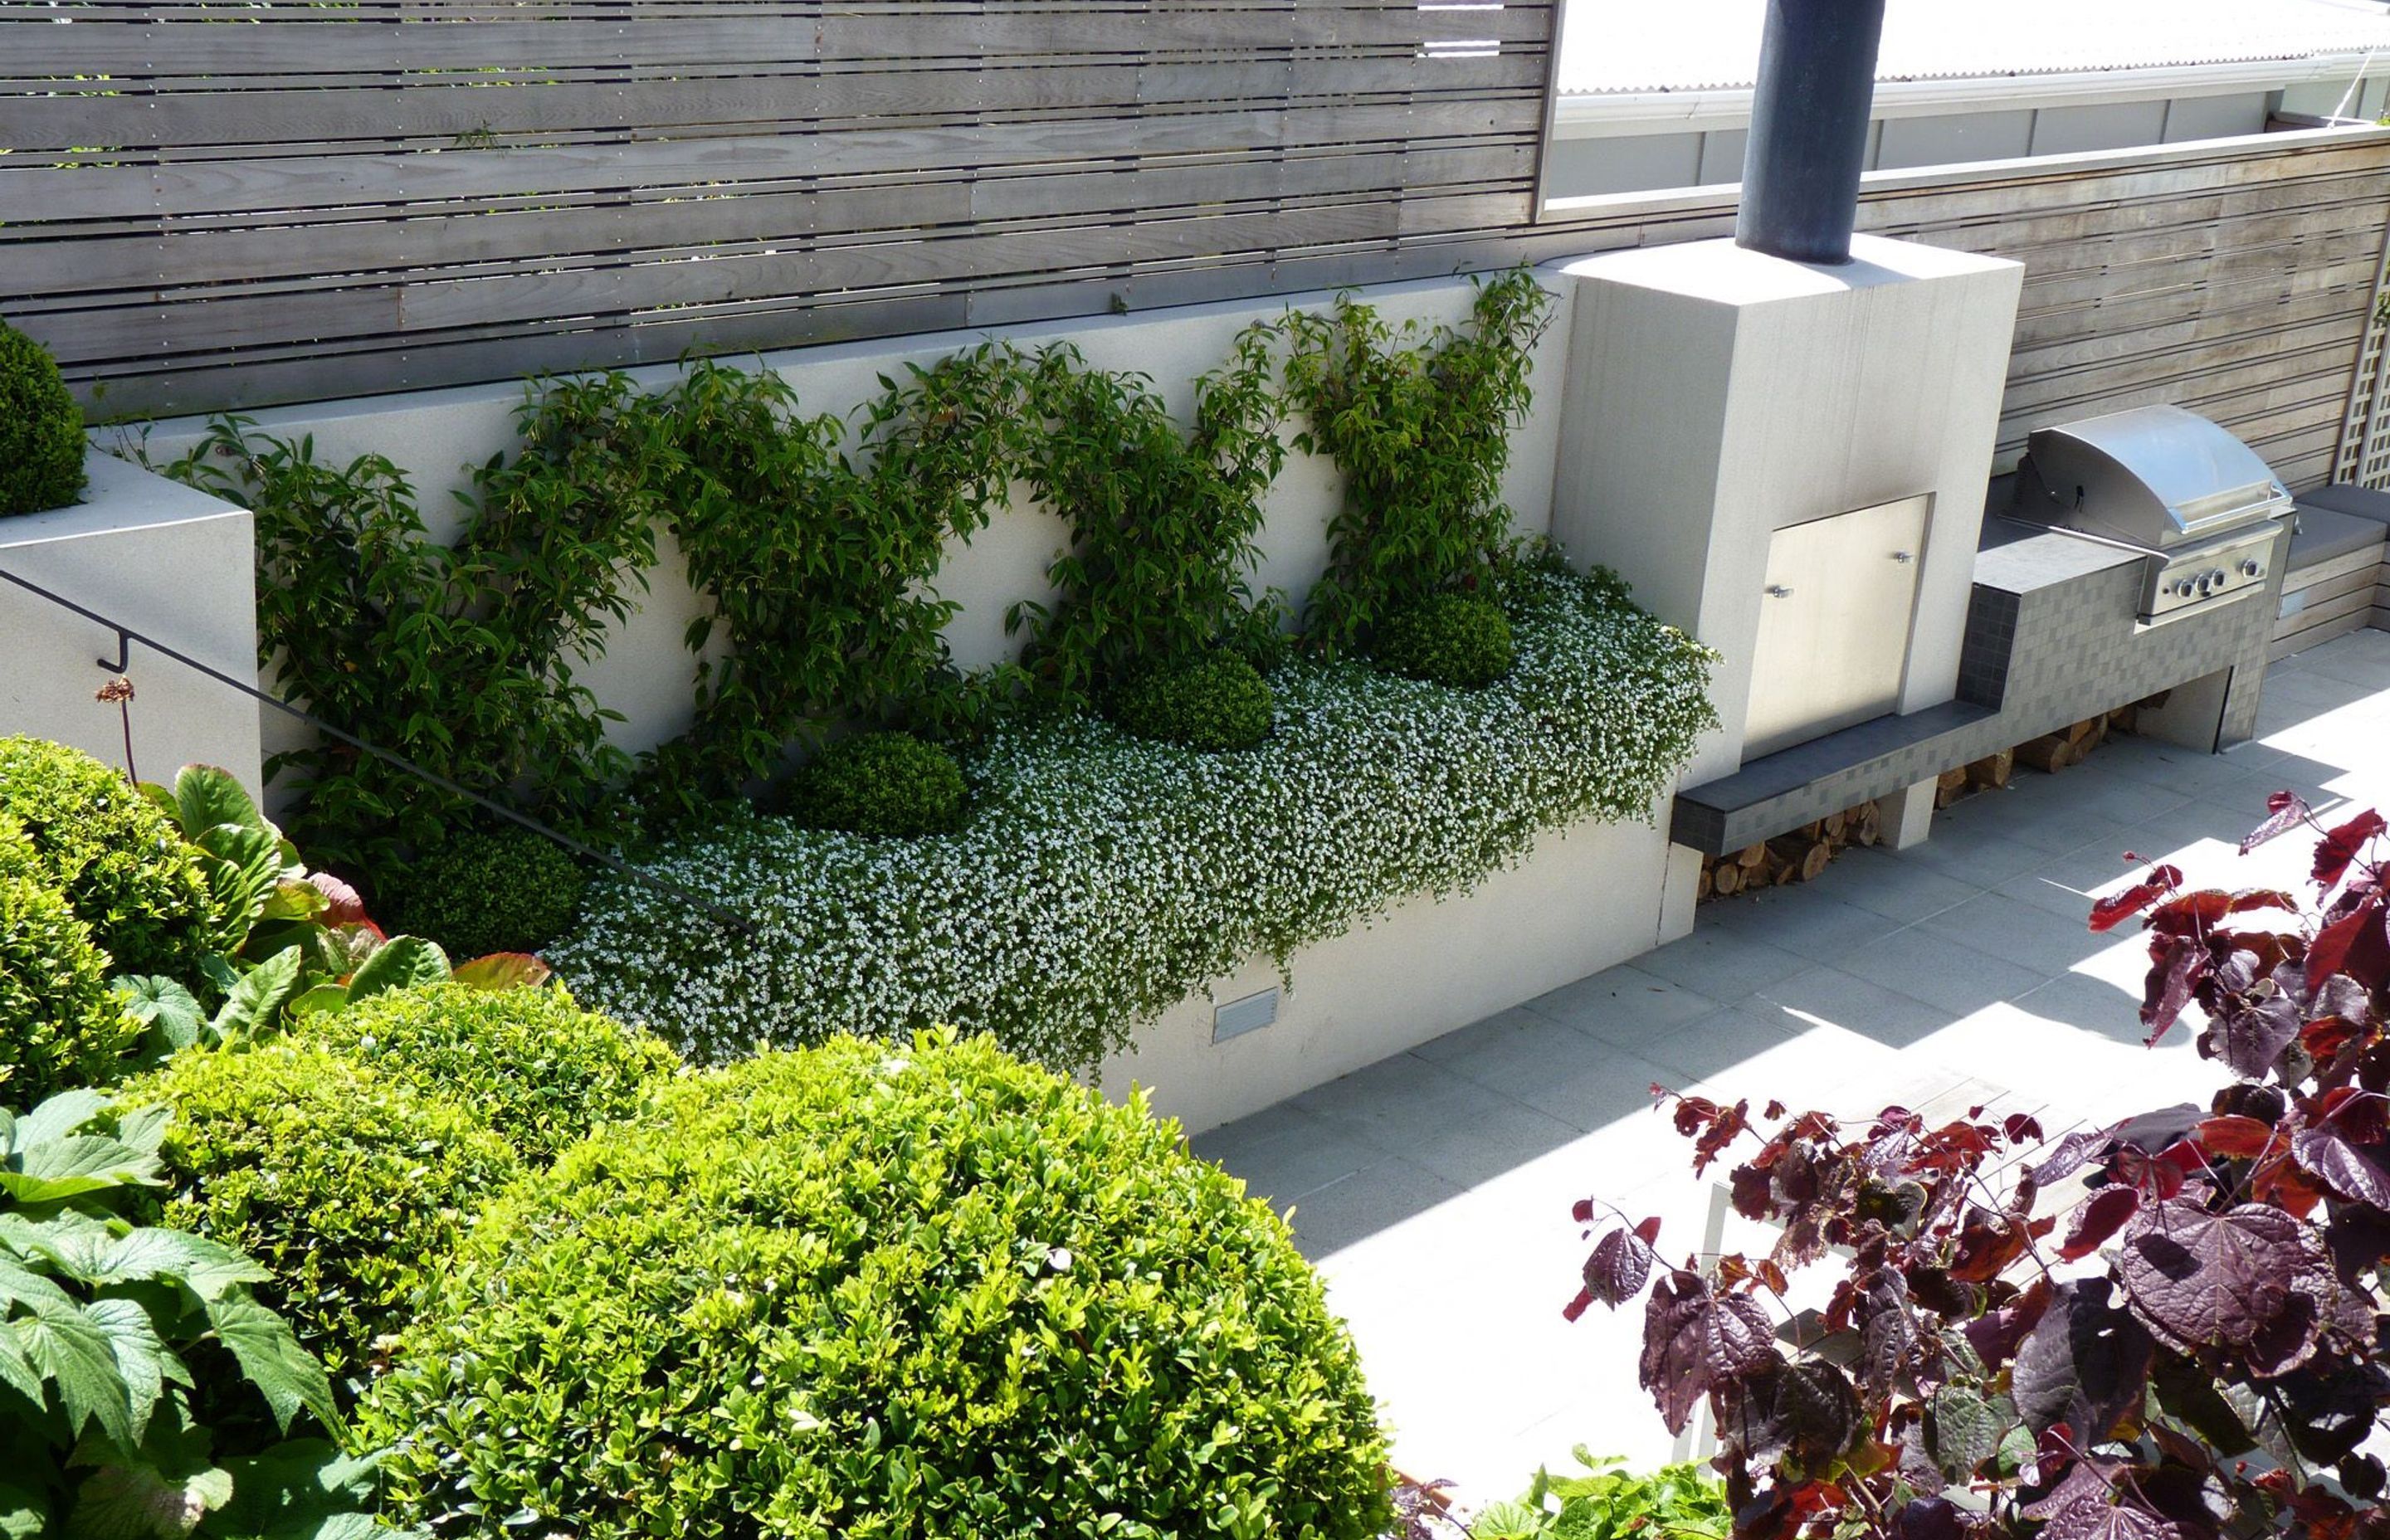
{"points": [[1778, 591], [1904, 558]]}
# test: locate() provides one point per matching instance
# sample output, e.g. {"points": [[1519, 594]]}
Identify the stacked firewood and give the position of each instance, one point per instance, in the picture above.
{"points": [[2050, 752], [1796, 857], [1802, 854]]}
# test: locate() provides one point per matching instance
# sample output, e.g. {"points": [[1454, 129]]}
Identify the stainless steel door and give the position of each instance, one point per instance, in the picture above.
{"points": [[1833, 623]]}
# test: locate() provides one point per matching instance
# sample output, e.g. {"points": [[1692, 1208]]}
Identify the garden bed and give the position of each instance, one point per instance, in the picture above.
{"points": [[1100, 879]]}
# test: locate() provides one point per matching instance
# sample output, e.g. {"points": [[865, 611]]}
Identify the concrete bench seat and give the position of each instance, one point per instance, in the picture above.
{"points": [[2336, 581]]}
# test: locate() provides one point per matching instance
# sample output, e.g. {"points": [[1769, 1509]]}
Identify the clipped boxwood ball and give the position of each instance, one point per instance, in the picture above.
{"points": [[1457, 639], [1214, 703], [59, 1027], [122, 864], [880, 783], [347, 1185], [506, 891], [535, 1067], [868, 1290], [41, 429]]}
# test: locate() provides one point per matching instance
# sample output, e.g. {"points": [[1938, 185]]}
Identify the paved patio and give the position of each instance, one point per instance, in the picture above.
{"points": [[1434, 1189]]}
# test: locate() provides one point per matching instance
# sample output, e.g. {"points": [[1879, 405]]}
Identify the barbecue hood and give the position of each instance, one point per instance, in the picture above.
{"points": [[2153, 477]]}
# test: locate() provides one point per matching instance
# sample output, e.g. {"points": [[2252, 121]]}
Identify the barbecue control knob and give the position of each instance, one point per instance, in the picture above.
{"points": [[2184, 587], [2252, 568]]}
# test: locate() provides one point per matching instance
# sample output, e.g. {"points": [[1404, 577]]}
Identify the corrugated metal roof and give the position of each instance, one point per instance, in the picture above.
{"points": [[1612, 46]]}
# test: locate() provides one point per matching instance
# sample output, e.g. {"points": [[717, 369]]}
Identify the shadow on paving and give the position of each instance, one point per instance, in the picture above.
{"points": [[1938, 954]]}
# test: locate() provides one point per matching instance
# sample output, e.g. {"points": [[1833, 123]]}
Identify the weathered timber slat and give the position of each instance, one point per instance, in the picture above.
{"points": [[427, 109], [306, 201]]}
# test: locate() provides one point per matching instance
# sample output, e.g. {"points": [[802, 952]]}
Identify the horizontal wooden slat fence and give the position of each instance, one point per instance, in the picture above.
{"points": [[2237, 281], [207, 206], [213, 205]]}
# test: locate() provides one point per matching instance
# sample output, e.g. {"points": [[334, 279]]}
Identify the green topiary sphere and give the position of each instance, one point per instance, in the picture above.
{"points": [[60, 1026], [859, 1289], [535, 1067], [349, 1185], [122, 864], [41, 429], [1214, 703], [1454, 639], [881, 782], [509, 890]]}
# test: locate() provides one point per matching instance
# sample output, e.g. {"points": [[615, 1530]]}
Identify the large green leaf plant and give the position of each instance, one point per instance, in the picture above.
{"points": [[286, 939], [101, 1320]]}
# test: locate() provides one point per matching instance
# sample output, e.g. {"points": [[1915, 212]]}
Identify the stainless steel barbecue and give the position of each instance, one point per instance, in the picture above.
{"points": [[2197, 504]]}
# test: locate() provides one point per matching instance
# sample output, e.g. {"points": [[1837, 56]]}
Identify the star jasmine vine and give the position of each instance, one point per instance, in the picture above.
{"points": [[1100, 878]]}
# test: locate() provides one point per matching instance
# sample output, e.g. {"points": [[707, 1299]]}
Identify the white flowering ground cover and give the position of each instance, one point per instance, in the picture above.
{"points": [[1100, 879]]}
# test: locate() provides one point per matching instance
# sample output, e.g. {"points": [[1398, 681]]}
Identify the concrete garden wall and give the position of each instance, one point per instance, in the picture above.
{"points": [[434, 436], [1589, 898], [169, 562]]}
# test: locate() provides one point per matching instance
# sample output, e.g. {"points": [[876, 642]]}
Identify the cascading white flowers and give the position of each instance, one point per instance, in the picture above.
{"points": [[1100, 879]]}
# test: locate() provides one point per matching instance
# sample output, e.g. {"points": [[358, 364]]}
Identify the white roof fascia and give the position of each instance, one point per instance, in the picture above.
{"points": [[1610, 115], [1721, 197]]}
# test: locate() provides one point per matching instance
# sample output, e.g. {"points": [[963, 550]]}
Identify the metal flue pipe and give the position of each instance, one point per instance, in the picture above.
{"points": [[1809, 128]]}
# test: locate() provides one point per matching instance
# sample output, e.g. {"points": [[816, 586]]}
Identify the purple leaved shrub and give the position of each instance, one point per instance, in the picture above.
{"points": [[2171, 1329]]}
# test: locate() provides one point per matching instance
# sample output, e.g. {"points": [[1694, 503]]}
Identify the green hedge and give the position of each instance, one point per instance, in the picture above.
{"points": [[122, 864], [880, 1293], [60, 1026], [345, 1184], [41, 429], [1102, 878], [506, 891], [890, 785], [1218, 704], [530, 1063], [1457, 639]]}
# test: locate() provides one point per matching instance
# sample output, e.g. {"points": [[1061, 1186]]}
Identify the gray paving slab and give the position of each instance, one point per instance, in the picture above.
{"points": [[1432, 1189]]}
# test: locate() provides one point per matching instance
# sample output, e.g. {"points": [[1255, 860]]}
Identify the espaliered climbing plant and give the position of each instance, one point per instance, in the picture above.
{"points": [[1421, 425], [460, 659], [2168, 1328], [817, 569], [1164, 522]]}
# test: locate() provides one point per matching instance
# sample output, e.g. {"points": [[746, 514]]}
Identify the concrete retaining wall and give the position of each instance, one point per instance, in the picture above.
{"points": [[167, 562], [1589, 897], [435, 436]]}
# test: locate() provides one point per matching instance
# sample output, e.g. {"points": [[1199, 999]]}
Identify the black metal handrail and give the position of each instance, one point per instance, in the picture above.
{"points": [[126, 635]]}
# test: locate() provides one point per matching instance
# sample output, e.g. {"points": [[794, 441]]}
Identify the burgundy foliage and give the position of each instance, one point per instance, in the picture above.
{"points": [[2172, 1329]]}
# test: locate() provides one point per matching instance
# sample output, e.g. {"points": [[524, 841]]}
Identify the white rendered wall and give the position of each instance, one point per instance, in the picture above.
{"points": [[1589, 897], [435, 436], [167, 562], [1717, 395]]}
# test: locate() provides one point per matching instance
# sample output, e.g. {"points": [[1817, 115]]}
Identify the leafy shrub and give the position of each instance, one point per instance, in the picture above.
{"points": [[346, 1183], [868, 1291], [1101, 878], [1420, 427], [538, 1069], [41, 429], [1673, 1502], [881, 782], [819, 566], [1215, 703], [461, 660], [1457, 639], [60, 1026], [2168, 1328], [121, 863], [1163, 522], [102, 1325], [506, 891]]}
